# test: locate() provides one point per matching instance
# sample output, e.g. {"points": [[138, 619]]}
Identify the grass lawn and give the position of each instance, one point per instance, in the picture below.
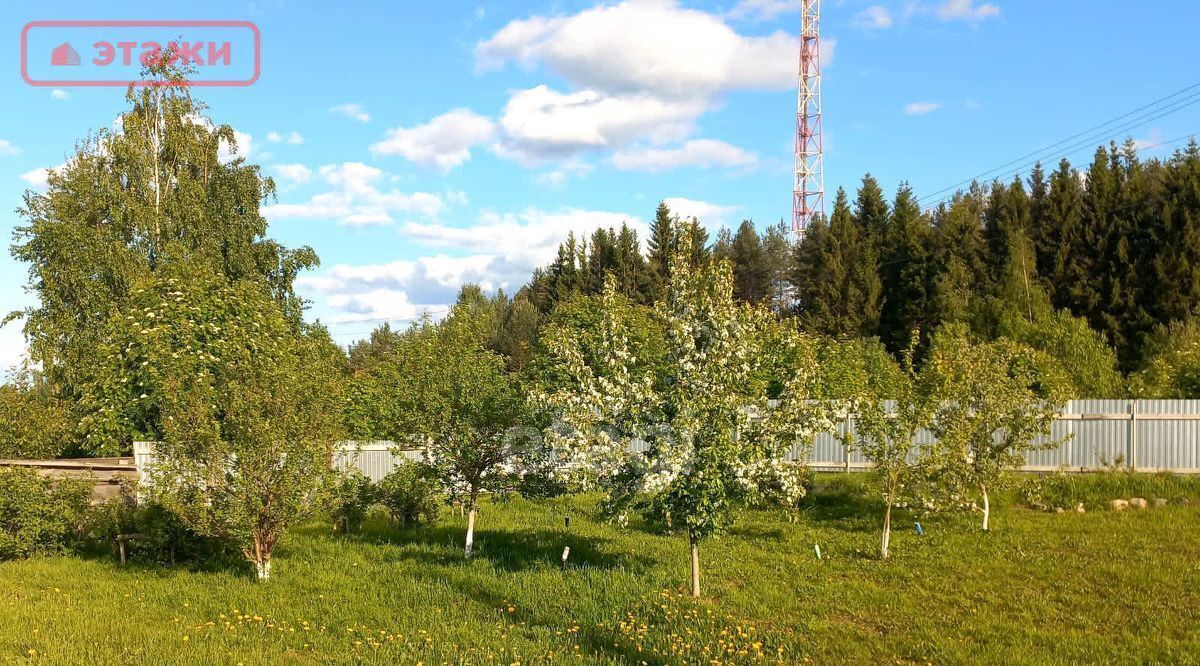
{"points": [[1042, 588]]}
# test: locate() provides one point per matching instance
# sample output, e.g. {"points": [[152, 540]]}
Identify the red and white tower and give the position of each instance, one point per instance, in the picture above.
{"points": [[808, 192]]}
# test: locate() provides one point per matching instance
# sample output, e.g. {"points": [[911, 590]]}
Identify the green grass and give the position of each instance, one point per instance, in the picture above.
{"points": [[1042, 588]]}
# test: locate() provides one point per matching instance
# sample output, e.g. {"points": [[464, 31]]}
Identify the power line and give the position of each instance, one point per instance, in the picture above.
{"points": [[1160, 144], [1092, 134]]}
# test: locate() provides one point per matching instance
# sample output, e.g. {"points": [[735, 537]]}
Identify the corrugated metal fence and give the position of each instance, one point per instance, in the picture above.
{"points": [[1144, 435]]}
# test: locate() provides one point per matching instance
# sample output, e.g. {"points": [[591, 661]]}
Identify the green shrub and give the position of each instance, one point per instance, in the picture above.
{"points": [[161, 537], [1095, 490], [410, 494], [39, 515], [350, 496]]}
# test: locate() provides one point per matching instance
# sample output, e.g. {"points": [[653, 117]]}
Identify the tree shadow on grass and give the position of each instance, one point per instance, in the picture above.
{"points": [[506, 550]]}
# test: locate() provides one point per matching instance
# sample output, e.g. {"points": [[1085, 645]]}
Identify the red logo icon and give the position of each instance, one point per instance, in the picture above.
{"points": [[64, 54]]}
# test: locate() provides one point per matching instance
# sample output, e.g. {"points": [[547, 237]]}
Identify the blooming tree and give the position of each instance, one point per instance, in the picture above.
{"points": [[241, 403], [717, 414]]}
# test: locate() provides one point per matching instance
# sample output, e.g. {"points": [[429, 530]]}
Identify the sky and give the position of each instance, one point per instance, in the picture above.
{"points": [[421, 146]]}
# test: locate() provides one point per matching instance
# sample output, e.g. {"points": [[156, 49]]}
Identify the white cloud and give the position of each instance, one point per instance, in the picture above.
{"points": [[7, 148], [541, 123], [444, 142], [875, 16], [921, 108], [966, 10], [38, 179], [357, 200], [556, 178], [645, 46], [1153, 138], [293, 138], [639, 72], [529, 238], [703, 153], [501, 251], [763, 10], [59, 93], [353, 111], [294, 174], [711, 215], [228, 153]]}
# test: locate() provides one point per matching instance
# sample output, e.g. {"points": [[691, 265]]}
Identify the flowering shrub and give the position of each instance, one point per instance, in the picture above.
{"points": [[410, 494]]}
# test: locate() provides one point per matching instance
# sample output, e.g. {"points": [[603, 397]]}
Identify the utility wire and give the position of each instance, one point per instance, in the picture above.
{"points": [[1160, 144], [1092, 132]]}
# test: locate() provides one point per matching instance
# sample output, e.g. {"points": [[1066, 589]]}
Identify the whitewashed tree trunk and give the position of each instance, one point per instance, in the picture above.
{"points": [[695, 547], [471, 522], [887, 531], [987, 507], [263, 569]]}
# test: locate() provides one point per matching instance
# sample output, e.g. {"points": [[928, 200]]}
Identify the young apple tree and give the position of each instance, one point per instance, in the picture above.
{"points": [[890, 405], [455, 397], [241, 402], [717, 413], [995, 400]]}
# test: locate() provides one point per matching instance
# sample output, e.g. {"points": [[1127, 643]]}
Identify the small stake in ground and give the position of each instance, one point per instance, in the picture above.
{"points": [[817, 548], [566, 554], [920, 532]]}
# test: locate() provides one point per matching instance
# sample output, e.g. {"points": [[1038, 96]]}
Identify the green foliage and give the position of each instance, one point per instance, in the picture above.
{"points": [[712, 434], [33, 422], [39, 515], [243, 405], [349, 497], [161, 537], [1063, 490], [410, 493], [994, 401], [1173, 368], [126, 205]]}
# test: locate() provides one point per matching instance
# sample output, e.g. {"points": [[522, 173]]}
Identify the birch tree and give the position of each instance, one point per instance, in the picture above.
{"points": [[718, 413]]}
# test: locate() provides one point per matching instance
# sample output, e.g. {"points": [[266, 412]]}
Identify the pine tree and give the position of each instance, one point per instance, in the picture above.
{"points": [[777, 255], [1057, 259]]}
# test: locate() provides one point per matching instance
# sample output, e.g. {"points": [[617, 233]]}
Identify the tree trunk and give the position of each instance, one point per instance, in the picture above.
{"points": [[987, 507], [471, 522], [887, 531], [695, 547], [262, 560]]}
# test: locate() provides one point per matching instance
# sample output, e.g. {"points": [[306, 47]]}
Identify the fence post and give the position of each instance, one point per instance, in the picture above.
{"points": [[1132, 454]]}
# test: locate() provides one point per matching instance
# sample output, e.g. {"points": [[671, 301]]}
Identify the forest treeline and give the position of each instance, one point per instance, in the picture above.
{"points": [[1099, 266]]}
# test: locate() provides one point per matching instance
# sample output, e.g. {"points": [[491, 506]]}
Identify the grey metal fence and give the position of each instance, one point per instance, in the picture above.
{"points": [[1144, 435]]}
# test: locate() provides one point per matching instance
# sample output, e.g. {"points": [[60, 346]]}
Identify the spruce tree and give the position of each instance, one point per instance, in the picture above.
{"points": [[905, 273], [660, 245], [750, 274]]}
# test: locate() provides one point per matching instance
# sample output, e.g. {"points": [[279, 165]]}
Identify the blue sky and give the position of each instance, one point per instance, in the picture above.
{"points": [[418, 146]]}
